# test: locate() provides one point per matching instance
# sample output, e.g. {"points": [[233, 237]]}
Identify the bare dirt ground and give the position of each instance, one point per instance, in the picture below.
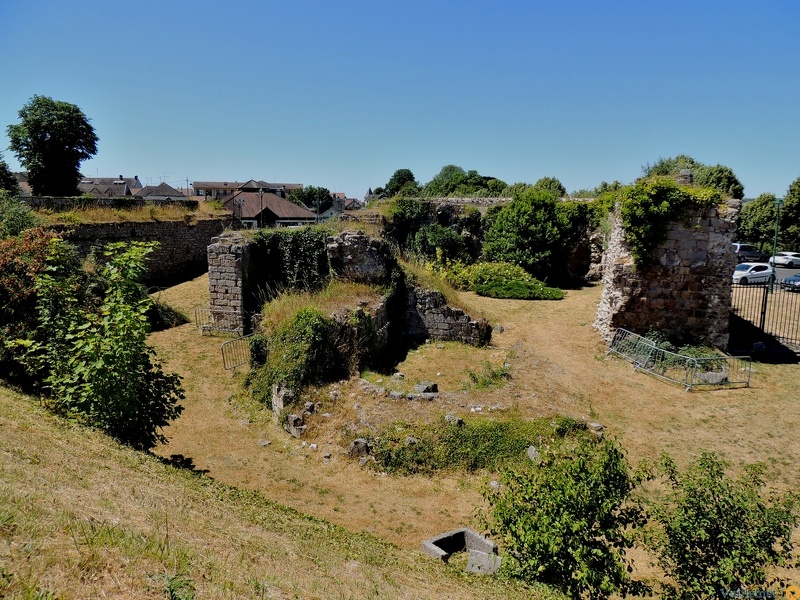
{"points": [[558, 366]]}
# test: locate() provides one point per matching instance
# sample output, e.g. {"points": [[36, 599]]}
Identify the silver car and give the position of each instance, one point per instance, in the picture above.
{"points": [[785, 259], [746, 272]]}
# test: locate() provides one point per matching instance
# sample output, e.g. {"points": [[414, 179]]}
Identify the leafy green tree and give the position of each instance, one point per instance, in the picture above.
{"points": [[402, 182], [495, 187], [757, 221], [406, 217], [434, 241], [719, 534], [567, 522], [50, 142], [721, 178], [790, 218], [552, 185], [445, 182], [718, 177], [526, 233], [8, 181], [515, 190], [318, 199], [101, 371], [669, 167], [15, 216]]}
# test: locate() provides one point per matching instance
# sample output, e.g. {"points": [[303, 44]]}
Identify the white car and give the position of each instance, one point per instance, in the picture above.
{"points": [[746, 272], [786, 259]]}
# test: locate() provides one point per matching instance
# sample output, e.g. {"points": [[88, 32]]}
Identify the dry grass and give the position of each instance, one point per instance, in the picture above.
{"points": [[558, 366], [82, 517], [99, 214], [336, 297]]}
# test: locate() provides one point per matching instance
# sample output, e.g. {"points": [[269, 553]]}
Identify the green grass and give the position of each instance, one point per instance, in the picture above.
{"points": [[475, 444]]}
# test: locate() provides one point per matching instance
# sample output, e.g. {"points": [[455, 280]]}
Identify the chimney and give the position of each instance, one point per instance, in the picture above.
{"points": [[120, 177]]}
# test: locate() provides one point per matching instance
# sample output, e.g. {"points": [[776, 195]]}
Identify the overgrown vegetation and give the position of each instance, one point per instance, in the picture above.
{"points": [[568, 521], [15, 216], [718, 177], [288, 259], [498, 280], [308, 349], [713, 533], [648, 207], [471, 445], [99, 368]]}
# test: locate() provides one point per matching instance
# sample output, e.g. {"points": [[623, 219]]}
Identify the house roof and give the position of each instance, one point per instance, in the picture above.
{"points": [[133, 183], [230, 185], [247, 205], [104, 190], [162, 189]]}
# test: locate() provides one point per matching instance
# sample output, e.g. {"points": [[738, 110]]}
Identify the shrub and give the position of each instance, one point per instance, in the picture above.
{"points": [[101, 371], [526, 233], [301, 352], [15, 216], [518, 290], [406, 448], [436, 241], [568, 521], [716, 533], [500, 280]]}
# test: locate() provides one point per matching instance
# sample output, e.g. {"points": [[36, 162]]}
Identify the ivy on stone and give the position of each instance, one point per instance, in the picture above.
{"points": [[648, 207]]}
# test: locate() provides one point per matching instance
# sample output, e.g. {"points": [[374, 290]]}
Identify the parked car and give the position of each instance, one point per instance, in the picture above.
{"points": [[791, 283], [748, 272], [785, 259], [747, 253]]}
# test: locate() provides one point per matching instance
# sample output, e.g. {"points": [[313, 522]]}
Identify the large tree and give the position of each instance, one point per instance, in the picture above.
{"points": [[790, 218], [8, 181], [318, 199], [757, 221], [51, 140], [403, 181]]}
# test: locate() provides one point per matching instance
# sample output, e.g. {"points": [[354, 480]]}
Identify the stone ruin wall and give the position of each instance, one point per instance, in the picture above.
{"points": [[180, 255], [685, 294], [356, 257]]}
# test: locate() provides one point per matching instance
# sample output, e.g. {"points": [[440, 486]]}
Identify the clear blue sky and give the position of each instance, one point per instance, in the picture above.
{"points": [[341, 94]]}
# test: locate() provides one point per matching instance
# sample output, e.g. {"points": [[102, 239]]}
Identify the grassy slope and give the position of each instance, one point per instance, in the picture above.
{"points": [[84, 517]]}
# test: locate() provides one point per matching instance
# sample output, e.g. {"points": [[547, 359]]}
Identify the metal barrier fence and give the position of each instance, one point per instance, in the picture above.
{"points": [[687, 371], [776, 312], [217, 320], [236, 353]]}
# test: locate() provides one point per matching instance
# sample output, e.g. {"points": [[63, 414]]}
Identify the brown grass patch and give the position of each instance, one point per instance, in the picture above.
{"points": [[558, 365], [82, 517], [336, 297], [102, 214]]}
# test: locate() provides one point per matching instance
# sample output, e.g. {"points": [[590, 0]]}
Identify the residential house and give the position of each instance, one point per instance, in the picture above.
{"points": [[162, 192], [214, 190], [336, 209], [258, 204], [110, 187], [353, 204]]}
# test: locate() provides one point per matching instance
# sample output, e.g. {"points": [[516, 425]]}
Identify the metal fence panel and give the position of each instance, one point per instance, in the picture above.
{"points": [[776, 312], [217, 320], [236, 353], [687, 371], [714, 371]]}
